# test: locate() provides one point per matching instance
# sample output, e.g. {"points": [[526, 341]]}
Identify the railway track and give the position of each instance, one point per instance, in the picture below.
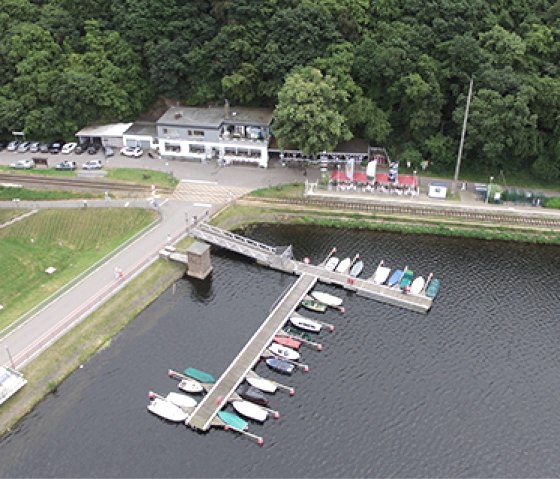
{"points": [[524, 219], [83, 184]]}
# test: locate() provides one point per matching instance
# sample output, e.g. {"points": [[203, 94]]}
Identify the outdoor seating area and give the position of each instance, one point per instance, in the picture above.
{"points": [[404, 185]]}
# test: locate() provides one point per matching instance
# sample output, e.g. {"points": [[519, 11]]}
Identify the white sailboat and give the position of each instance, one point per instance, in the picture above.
{"points": [[326, 298], [181, 400], [417, 285], [284, 352], [167, 410], [381, 274], [344, 266], [265, 385], [332, 263], [250, 410]]}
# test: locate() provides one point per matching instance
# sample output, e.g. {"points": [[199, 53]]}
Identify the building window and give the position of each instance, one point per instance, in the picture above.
{"points": [[171, 132], [172, 147], [199, 133]]}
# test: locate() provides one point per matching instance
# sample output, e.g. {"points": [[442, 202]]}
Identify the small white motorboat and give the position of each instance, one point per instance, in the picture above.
{"points": [[190, 386], [167, 410], [332, 263], [344, 266], [284, 352], [326, 298], [181, 400], [250, 410], [381, 274], [265, 385], [417, 285], [305, 324]]}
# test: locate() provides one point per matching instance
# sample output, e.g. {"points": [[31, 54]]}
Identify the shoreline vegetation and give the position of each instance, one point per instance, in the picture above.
{"points": [[97, 331]]}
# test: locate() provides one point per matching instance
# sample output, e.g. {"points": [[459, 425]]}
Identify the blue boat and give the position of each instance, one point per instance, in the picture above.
{"points": [[395, 277], [280, 366], [432, 289]]}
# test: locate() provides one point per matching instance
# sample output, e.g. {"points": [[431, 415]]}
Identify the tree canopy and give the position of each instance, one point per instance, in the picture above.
{"points": [[395, 72]]}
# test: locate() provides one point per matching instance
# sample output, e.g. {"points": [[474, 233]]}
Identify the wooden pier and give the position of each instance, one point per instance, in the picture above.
{"points": [[203, 416], [282, 260]]}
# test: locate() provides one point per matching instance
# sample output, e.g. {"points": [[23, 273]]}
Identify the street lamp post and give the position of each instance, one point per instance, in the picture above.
{"points": [[338, 178], [488, 191], [416, 185]]}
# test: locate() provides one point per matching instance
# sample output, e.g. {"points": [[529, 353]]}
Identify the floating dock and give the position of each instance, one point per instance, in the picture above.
{"points": [[281, 259], [203, 416]]}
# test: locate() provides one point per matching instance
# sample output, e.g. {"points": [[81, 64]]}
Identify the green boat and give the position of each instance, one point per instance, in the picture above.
{"points": [[297, 332], [312, 305], [200, 376], [233, 420], [433, 288], [406, 280]]}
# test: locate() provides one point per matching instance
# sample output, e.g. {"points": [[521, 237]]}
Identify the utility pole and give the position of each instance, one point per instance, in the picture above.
{"points": [[460, 154]]}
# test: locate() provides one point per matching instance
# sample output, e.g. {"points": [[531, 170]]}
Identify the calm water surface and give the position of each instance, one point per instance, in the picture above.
{"points": [[470, 390]]}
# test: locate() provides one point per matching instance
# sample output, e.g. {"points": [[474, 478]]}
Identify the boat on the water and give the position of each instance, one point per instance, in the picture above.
{"points": [[262, 384], [306, 324], [332, 263], [250, 410], [417, 285], [167, 410], [406, 279], [344, 266], [190, 386], [381, 273], [432, 289], [284, 352], [233, 420], [313, 305], [181, 400], [296, 332], [395, 277], [288, 342], [357, 268], [280, 366], [200, 376], [253, 394], [326, 298]]}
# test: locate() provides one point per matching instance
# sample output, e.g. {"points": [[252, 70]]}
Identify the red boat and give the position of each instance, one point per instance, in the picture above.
{"points": [[288, 342]]}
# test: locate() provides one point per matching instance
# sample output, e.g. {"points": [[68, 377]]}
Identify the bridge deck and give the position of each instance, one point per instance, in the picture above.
{"points": [[207, 409]]}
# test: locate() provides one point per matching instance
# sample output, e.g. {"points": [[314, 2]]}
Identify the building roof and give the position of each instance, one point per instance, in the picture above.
{"points": [[142, 128], [113, 129], [214, 117]]}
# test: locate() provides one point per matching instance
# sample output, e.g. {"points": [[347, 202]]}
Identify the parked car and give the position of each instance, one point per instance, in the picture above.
{"points": [[34, 147], [80, 148], [23, 164], [93, 148], [68, 148], [108, 151], [66, 165], [13, 145], [43, 147], [55, 147], [134, 151], [92, 165], [24, 147]]}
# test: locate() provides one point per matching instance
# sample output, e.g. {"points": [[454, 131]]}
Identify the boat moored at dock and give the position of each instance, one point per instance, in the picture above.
{"points": [[344, 266], [305, 324], [313, 305], [381, 273], [165, 409], [432, 289], [395, 278], [284, 352], [280, 366], [250, 410], [252, 394], [417, 285], [200, 376], [326, 298]]}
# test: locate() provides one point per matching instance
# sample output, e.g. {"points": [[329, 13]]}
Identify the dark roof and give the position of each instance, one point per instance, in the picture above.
{"points": [[213, 117], [142, 128]]}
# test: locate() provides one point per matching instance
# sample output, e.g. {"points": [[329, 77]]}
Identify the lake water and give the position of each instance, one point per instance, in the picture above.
{"points": [[471, 389]]}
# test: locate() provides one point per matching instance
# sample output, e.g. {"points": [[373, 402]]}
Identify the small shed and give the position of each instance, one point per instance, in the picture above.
{"points": [[106, 135], [437, 190]]}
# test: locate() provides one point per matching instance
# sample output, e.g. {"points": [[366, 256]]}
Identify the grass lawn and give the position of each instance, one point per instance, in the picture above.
{"points": [[28, 194], [137, 176], [69, 240], [8, 214], [292, 190]]}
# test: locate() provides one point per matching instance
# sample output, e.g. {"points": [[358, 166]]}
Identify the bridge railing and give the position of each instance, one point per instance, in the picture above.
{"points": [[237, 238]]}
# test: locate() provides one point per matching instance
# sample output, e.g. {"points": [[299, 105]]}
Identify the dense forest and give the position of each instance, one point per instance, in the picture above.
{"points": [[395, 72]]}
